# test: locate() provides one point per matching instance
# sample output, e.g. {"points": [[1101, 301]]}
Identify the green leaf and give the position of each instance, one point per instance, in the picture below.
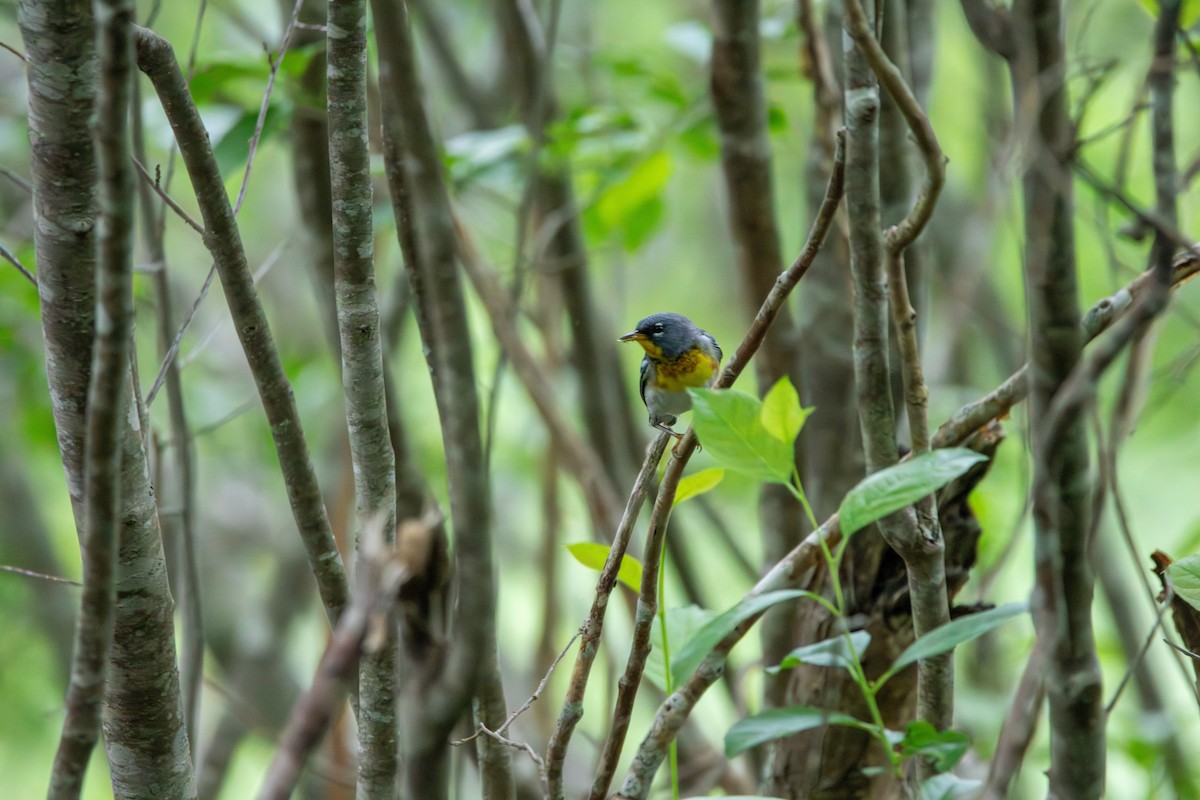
{"points": [[688, 657], [593, 556], [729, 425], [832, 652], [893, 488], [946, 638], [1185, 578], [942, 748], [781, 413], [682, 624], [698, 483], [233, 148], [780, 722], [634, 205]]}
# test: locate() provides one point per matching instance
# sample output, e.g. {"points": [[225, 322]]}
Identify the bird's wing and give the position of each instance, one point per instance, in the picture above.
{"points": [[712, 343], [647, 371]]}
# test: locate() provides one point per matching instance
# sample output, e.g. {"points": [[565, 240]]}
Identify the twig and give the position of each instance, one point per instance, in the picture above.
{"points": [[261, 121], [1098, 319], [1141, 654], [167, 199], [41, 576], [7, 255], [180, 528], [17, 179], [533, 698], [593, 624]]}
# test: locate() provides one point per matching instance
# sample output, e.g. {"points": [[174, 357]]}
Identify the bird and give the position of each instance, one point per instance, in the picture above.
{"points": [[679, 355]]}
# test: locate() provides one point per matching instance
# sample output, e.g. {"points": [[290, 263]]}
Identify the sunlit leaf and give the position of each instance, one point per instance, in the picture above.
{"points": [[781, 414], [698, 483], [682, 625], [942, 748], [1185, 578], [833, 652], [729, 425], [698, 646], [893, 488], [593, 556], [780, 722], [634, 204], [946, 638]]}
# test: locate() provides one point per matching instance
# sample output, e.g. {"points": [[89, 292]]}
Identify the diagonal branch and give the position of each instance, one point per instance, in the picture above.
{"points": [[157, 59]]}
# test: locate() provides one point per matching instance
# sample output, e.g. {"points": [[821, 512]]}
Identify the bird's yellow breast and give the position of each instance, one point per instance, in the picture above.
{"points": [[693, 368]]}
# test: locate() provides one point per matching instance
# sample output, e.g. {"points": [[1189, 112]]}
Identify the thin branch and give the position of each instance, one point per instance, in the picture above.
{"points": [[593, 624], [41, 576], [152, 182], [1098, 319], [7, 255], [157, 60], [261, 121], [179, 529]]}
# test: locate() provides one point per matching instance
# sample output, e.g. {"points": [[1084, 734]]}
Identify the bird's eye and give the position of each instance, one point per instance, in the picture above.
{"points": [[658, 327]]}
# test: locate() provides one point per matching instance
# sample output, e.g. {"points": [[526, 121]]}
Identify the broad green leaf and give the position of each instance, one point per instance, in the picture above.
{"points": [[593, 556], [781, 414], [893, 488], [688, 657], [780, 722], [832, 652], [233, 148], [682, 624], [729, 425], [1185, 577], [942, 748], [949, 786], [698, 483], [946, 638], [634, 205]]}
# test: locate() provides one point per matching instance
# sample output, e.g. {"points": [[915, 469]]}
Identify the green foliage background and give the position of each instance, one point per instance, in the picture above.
{"points": [[637, 129]]}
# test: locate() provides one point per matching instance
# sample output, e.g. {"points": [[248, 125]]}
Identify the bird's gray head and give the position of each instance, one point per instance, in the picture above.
{"points": [[664, 335]]}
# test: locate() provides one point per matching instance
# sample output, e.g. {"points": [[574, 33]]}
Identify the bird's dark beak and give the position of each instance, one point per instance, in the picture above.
{"points": [[633, 336]]}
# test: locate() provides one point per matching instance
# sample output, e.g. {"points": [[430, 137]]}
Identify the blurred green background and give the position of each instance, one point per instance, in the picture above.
{"points": [[638, 131]]}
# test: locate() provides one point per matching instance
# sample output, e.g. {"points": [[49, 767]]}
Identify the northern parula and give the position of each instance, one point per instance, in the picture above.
{"points": [[679, 355]]}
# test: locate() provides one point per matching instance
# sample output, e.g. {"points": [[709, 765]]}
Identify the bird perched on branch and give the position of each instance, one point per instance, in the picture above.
{"points": [[679, 356]]}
